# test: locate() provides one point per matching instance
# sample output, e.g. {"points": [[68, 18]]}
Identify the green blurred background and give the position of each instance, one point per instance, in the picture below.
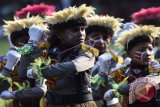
{"points": [[4, 46]]}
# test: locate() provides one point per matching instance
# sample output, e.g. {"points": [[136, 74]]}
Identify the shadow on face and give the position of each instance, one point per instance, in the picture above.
{"points": [[19, 38], [72, 36]]}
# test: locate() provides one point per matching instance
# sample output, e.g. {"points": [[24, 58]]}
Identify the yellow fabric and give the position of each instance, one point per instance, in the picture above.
{"points": [[6, 103], [43, 102], [116, 58], [92, 50], [120, 60]]}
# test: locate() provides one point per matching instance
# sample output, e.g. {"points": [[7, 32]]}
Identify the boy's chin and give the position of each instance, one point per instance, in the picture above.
{"points": [[146, 63]]}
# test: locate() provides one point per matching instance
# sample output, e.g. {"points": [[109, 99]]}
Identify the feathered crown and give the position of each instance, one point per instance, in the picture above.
{"points": [[20, 24], [128, 35], [147, 15], [104, 21], [37, 9], [70, 13]]}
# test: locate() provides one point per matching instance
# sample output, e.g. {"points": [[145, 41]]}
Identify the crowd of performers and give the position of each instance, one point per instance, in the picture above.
{"points": [[77, 58]]}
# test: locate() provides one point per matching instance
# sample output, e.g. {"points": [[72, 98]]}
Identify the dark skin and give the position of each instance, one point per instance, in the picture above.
{"points": [[141, 54], [69, 38], [157, 41], [99, 40], [21, 41], [19, 38]]}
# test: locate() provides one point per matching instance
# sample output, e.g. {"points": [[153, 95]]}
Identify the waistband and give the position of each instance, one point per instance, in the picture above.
{"points": [[68, 99]]}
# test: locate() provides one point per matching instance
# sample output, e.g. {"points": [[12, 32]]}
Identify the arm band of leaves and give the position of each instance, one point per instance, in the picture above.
{"points": [[38, 63], [26, 49]]}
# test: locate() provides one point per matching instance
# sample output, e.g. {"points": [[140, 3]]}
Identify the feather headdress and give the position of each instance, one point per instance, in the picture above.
{"points": [[70, 13], [150, 15], [37, 9], [104, 21], [20, 24], [128, 35]]}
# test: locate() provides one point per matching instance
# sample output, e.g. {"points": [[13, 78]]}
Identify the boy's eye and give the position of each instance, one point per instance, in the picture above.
{"points": [[142, 49]]}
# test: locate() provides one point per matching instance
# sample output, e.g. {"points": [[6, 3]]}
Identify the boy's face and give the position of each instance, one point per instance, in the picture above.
{"points": [[21, 41], [157, 42], [99, 40], [19, 38], [72, 36], [141, 54]]}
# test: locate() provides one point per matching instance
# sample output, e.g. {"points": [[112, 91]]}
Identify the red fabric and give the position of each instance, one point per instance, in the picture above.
{"points": [[37, 9], [146, 14]]}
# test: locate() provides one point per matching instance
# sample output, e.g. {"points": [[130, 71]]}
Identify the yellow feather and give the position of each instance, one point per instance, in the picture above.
{"points": [[69, 13], [105, 21], [129, 35], [19, 24]]}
